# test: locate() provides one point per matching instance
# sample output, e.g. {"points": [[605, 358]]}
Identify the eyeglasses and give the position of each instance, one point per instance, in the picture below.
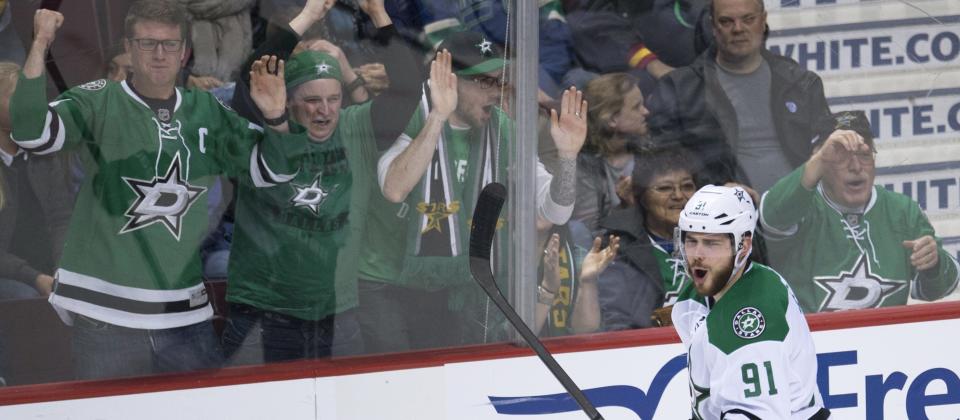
{"points": [[169, 45], [864, 158], [687, 188], [487, 82]]}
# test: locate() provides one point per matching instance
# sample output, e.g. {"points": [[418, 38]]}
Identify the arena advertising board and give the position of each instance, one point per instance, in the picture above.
{"points": [[892, 371], [898, 62], [862, 374]]}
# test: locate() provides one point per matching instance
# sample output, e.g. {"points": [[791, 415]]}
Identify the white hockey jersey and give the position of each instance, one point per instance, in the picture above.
{"points": [[750, 354]]}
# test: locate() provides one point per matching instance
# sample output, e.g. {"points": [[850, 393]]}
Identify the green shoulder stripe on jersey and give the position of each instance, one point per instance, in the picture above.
{"points": [[753, 310]]}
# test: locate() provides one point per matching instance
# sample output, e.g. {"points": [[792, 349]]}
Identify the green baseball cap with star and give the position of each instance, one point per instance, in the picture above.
{"points": [[473, 53], [311, 65]]}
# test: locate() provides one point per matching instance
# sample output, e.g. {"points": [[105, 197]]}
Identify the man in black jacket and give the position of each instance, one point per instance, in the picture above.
{"points": [[739, 103]]}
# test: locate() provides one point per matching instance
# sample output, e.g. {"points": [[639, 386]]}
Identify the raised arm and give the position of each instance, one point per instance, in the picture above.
{"points": [[568, 129], [586, 311], [281, 41], [406, 168], [45, 25], [392, 110]]}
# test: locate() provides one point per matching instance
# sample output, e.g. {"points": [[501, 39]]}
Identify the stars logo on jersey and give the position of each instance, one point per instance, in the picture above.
{"points": [[435, 213], [163, 200], [486, 47], [748, 323], [856, 289], [323, 68], [94, 85], [310, 196]]}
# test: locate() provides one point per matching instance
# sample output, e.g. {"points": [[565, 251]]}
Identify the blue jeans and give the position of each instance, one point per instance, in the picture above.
{"points": [[102, 350], [284, 337]]}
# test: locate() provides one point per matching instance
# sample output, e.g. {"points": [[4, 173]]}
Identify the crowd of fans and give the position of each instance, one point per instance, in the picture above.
{"points": [[324, 157]]}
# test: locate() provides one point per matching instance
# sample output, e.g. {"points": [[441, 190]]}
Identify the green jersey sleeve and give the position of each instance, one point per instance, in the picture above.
{"points": [[941, 280], [41, 128], [243, 148], [784, 206]]}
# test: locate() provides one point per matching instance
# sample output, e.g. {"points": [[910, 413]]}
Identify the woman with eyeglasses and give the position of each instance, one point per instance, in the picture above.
{"points": [[647, 274]]}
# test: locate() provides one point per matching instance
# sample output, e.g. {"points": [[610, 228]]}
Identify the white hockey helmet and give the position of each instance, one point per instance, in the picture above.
{"points": [[714, 209]]}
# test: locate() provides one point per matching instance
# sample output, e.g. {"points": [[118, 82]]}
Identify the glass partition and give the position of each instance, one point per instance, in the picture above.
{"points": [[171, 202]]}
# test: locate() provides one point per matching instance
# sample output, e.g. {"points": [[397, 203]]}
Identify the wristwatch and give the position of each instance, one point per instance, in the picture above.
{"points": [[276, 121], [359, 81], [545, 296]]}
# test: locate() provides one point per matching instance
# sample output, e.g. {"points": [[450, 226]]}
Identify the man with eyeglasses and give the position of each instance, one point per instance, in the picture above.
{"points": [[753, 114], [843, 242], [129, 279], [416, 290]]}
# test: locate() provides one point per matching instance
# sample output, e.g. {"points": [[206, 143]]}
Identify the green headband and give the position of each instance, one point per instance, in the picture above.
{"points": [[311, 65]]}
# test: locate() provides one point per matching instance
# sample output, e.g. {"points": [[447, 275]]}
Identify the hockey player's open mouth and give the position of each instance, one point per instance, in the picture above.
{"points": [[699, 275]]}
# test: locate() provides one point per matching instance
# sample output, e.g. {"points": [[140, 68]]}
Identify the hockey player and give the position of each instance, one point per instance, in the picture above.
{"points": [[843, 242], [749, 350], [130, 271]]}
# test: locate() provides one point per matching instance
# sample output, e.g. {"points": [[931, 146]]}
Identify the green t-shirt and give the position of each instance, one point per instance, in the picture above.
{"points": [[296, 245]]}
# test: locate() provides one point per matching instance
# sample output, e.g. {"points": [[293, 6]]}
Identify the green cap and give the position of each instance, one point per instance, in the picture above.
{"points": [[473, 53], [311, 65]]}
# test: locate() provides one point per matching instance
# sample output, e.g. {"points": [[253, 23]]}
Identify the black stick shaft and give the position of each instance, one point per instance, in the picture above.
{"points": [[485, 217]]}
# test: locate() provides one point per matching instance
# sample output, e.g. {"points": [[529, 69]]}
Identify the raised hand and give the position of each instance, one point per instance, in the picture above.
{"points": [[923, 252], [376, 10], [569, 128], [443, 86], [841, 145], [45, 25], [598, 259], [312, 12], [267, 86], [551, 265], [317, 9], [376, 76]]}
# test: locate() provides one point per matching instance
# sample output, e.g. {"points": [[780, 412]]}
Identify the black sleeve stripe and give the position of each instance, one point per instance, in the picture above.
{"points": [[741, 412], [55, 142], [48, 137]]}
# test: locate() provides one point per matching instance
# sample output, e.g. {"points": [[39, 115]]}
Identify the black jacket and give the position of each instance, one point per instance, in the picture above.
{"points": [[690, 100], [48, 180], [632, 286]]}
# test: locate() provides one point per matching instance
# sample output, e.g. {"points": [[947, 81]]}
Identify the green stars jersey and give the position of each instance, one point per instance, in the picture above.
{"points": [[131, 254], [296, 246], [671, 270], [835, 260], [750, 354]]}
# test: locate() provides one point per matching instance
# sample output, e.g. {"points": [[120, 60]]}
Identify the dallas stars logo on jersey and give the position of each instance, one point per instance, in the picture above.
{"points": [[163, 200], [856, 289], [748, 323], [310, 196]]}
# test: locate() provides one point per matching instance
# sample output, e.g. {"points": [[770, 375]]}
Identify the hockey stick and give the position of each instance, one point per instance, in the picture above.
{"points": [[485, 217]]}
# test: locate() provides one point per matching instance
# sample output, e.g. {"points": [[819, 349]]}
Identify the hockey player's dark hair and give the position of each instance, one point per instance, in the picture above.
{"points": [[168, 12]]}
